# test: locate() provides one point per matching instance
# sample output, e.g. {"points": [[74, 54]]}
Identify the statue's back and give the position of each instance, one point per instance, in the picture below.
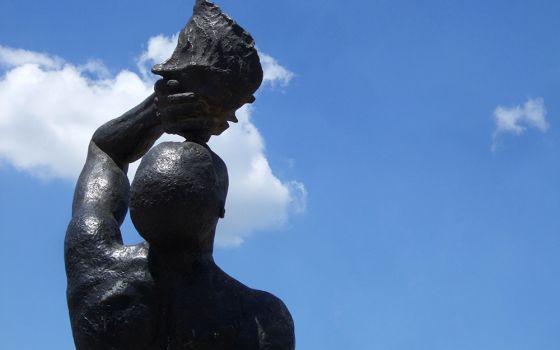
{"points": [[206, 309]]}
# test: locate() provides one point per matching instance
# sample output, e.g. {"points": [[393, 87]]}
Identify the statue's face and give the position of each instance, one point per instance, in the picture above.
{"points": [[215, 101], [214, 88]]}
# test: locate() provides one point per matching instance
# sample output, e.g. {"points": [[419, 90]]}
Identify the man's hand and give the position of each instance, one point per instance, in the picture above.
{"points": [[189, 115]]}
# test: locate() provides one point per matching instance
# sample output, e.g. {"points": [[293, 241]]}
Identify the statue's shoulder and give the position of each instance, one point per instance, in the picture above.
{"points": [[274, 321], [93, 244], [269, 302]]}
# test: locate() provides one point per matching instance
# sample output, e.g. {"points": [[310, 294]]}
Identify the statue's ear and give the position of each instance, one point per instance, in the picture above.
{"points": [[222, 209]]}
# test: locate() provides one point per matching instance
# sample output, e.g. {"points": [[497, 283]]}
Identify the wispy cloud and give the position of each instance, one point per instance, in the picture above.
{"points": [[274, 73], [517, 119], [10, 57], [49, 108]]}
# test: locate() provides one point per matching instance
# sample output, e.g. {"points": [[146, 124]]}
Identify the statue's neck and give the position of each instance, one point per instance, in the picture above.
{"points": [[169, 263]]}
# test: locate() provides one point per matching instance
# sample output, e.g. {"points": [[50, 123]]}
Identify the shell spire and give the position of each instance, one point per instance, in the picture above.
{"points": [[213, 42]]}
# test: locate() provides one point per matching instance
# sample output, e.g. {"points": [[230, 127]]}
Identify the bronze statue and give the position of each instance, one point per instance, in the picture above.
{"points": [[167, 293]]}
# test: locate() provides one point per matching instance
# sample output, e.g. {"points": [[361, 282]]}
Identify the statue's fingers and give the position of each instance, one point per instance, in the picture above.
{"points": [[173, 86], [189, 123], [159, 86], [187, 97], [165, 86], [185, 111]]}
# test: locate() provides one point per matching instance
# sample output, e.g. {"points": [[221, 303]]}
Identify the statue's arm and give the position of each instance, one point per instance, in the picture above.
{"points": [[127, 138], [101, 197]]}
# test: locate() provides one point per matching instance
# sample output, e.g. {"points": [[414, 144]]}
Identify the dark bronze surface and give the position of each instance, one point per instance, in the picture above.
{"points": [[167, 293], [216, 64]]}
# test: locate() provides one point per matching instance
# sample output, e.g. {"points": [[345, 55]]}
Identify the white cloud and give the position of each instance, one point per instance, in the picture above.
{"points": [[159, 50], [515, 120], [17, 57], [255, 194], [274, 73], [49, 109]]}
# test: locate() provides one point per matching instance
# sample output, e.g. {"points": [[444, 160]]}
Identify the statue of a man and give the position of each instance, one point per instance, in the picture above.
{"points": [[167, 293]]}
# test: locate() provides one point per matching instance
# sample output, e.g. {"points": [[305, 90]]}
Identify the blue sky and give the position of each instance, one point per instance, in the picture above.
{"points": [[410, 165]]}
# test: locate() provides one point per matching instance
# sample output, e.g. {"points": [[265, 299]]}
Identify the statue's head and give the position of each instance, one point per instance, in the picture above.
{"points": [[215, 58], [178, 195]]}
